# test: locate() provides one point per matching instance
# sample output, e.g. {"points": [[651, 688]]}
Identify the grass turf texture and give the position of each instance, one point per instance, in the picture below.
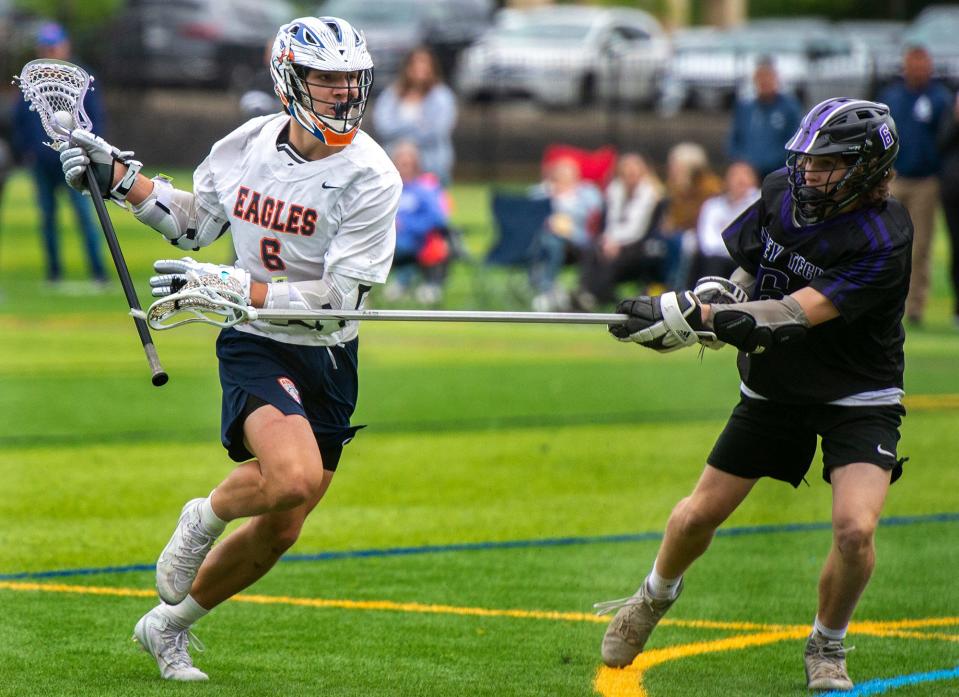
{"points": [[477, 433]]}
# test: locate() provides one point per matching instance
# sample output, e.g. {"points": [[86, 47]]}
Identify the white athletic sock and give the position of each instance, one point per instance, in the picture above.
{"points": [[831, 634], [211, 521], [662, 588], [187, 612]]}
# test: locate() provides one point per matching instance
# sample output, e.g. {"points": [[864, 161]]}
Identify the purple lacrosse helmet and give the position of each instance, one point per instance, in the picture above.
{"points": [[860, 132]]}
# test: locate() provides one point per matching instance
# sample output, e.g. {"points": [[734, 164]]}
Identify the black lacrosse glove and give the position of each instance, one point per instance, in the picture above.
{"points": [[663, 323]]}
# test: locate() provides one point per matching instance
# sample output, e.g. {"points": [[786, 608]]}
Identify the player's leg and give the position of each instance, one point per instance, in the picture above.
{"points": [[288, 449], [859, 445], [689, 531], [695, 519], [286, 474], [859, 490], [761, 439], [290, 466]]}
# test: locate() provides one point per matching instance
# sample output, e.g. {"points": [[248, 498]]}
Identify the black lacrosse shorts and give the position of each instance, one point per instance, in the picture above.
{"points": [[316, 382]]}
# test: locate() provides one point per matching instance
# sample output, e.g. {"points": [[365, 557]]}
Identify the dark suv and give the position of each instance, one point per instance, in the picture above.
{"points": [[192, 42]]}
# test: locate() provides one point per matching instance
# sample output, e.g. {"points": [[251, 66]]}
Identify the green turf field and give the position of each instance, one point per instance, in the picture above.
{"points": [[510, 477]]}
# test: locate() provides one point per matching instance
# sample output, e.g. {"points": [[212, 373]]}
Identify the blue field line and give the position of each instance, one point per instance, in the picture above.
{"points": [[884, 685], [507, 544]]}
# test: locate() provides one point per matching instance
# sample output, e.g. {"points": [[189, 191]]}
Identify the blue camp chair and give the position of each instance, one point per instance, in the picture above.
{"points": [[518, 219]]}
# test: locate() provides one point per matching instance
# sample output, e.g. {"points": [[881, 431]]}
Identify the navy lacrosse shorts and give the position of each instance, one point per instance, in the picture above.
{"points": [[316, 382]]}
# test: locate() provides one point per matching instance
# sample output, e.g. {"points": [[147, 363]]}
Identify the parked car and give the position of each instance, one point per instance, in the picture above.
{"points": [[393, 28], [710, 69], [566, 56], [884, 40], [192, 42]]}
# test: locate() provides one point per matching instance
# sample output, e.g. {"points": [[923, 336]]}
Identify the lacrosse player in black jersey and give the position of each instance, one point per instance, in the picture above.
{"points": [[815, 310]]}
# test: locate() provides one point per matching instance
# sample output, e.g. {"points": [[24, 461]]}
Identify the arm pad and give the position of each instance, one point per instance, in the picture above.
{"points": [[176, 215], [332, 292], [756, 326], [744, 280]]}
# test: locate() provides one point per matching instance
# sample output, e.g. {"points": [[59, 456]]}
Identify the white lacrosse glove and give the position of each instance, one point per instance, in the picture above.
{"points": [[664, 322], [193, 291], [88, 150], [174, 274], [716, 290]]}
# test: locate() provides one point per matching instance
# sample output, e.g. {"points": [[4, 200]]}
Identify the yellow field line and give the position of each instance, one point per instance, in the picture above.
{"points": [[385, 605], [609, 682], [931, 401], [628, 682]]}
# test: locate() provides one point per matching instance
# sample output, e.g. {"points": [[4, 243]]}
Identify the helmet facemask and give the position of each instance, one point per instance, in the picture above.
{"points": [[348, 114], [815, 203]]}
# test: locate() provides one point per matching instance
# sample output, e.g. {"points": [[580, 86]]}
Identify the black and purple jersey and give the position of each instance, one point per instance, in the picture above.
{"points": [[860, 260]]}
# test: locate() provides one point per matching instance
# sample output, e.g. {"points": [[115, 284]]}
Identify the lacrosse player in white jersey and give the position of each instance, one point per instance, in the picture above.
{"points": [[310, 200]]}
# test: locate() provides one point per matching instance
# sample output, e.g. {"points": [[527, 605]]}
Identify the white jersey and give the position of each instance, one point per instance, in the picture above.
{"points": [[294, 220]]}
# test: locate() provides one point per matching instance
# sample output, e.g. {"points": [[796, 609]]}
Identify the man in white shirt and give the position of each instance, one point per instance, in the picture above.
{"points": [[310, 200]]}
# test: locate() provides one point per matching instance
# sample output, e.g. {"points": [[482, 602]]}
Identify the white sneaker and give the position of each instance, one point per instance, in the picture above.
{"points": [[183, 554], [167, 642]]}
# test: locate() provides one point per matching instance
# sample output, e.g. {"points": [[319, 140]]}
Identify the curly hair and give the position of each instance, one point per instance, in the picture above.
{"points": [[878, 194]]}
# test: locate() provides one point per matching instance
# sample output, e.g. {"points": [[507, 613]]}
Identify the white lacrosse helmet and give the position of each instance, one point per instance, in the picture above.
{"points": [[332, 45]]}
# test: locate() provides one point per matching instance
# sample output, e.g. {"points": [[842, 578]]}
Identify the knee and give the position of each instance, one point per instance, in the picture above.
{"points": [[294, 486], [694, 518], [853, 537]]}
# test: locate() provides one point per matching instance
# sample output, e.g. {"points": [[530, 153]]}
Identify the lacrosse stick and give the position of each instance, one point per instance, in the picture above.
{"points": [[210, 300], [55, 90]]}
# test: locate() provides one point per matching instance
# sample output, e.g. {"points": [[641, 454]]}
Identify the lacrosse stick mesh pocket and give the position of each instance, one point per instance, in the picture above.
{"points": [[221, 297]]}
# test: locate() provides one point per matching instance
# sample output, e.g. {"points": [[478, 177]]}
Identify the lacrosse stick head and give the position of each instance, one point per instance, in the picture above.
{"points": [[55, 90], [208, 299]]}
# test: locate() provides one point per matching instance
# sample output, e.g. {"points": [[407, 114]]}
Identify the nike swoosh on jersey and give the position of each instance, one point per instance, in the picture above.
{"points": [[330, 186], [883, 451]]}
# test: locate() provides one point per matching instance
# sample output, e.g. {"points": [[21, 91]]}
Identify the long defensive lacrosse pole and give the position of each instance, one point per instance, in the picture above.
{"points": [[159, 375], [444, 316]]}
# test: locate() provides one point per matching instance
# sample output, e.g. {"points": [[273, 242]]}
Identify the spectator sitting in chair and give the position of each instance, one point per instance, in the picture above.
{"points": [[421, 247], [577, 209], [741, 191], [633, 201]]}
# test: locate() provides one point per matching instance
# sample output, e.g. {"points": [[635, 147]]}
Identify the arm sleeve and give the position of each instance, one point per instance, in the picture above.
{"points": [[866, 281], [363, 245]]}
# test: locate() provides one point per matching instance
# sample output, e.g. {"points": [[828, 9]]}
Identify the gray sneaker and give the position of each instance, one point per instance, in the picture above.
{"points": [[826, 664], [631, 626], [167, 642], [183, 554]]}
